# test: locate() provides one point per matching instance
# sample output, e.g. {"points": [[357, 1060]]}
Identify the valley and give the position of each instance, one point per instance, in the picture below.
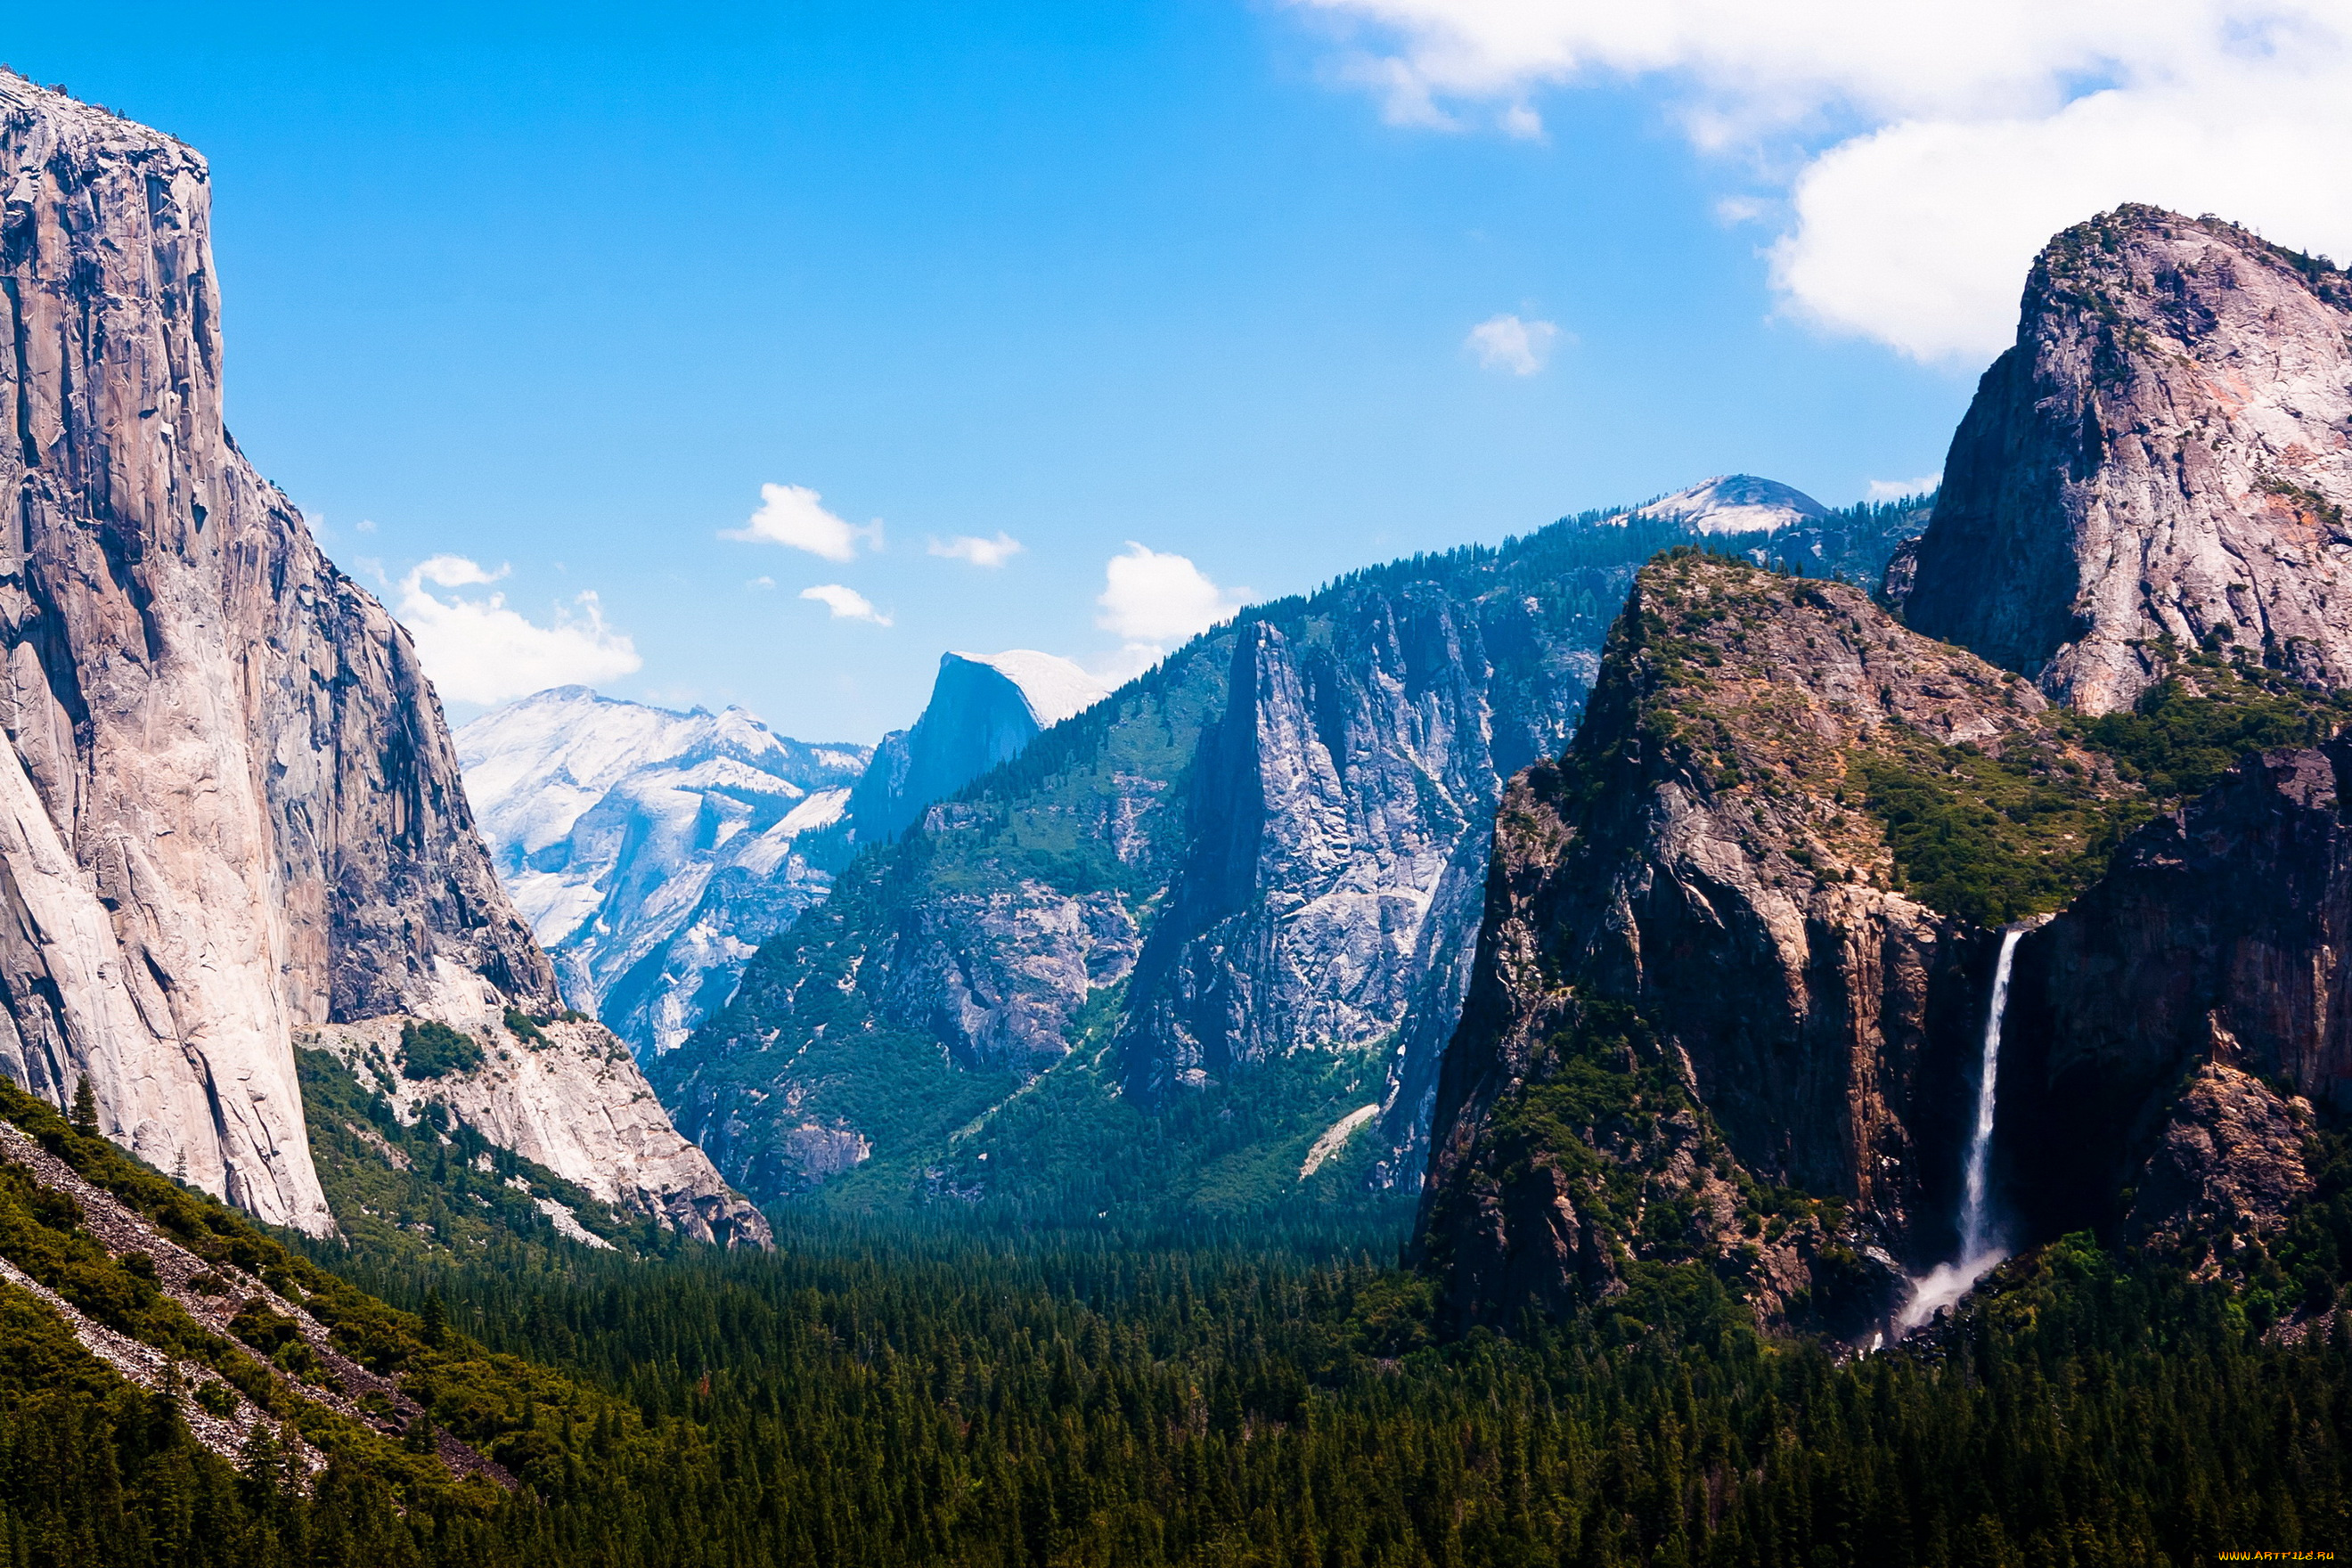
{"points": [[1721, 1030]]}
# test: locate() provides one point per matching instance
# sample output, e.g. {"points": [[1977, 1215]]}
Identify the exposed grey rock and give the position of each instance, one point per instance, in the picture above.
{"points": [[2230, 1160], [2211, 943], [574, 1100], [1695, 896], [1266, 854], [229, 806], [983, 709], [2161, 458], [654, 851], [1735, 503]]}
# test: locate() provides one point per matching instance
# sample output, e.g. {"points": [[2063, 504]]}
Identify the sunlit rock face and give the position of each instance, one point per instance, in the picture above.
{"points": [[229, 806], [984, 709], [1698, 971], [2162, 460], [1259, 864]]}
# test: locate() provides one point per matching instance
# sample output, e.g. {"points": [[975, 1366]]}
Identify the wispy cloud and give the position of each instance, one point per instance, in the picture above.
{"points": [[980, 551], [846, 603], [477, 649], [794, 516], [1895, 490], [1509, 344]]}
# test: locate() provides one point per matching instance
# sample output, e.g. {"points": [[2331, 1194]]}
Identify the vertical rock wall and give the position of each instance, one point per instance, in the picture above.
{"points": [[229, 805], [2162, 457]]}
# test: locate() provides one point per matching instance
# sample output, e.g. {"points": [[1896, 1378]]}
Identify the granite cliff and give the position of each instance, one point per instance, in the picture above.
{"points": [[984, 708], [1725, 997], [1737, 951], [2179, 1025], [231, 805], [1200, 945], [2160, 462]]}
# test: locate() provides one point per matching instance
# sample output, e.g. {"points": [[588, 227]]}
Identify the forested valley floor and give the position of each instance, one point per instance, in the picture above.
{"points": [[903, 1394]]}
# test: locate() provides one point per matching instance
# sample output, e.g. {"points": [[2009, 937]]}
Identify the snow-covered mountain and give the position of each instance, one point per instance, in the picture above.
{"points": [[984, 708], [1735, 503], [653, 851]]}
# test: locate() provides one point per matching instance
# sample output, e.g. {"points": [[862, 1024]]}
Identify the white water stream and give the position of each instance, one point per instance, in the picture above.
{"points": [[1946, 1283]]}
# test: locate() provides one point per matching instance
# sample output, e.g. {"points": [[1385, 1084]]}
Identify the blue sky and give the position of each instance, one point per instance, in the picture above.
{"points": [[560, 294]]}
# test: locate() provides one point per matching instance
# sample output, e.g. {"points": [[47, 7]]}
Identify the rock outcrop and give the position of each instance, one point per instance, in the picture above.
{"points": [[566, 1094], [654, 851], [1698, 981], [984, 708], [228, 806], [1252, 877], [2161, 460], [2150, 1019]]}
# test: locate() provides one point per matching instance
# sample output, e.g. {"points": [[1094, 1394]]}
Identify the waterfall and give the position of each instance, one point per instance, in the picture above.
{"points": [[1972, 1204], [1947, 1282]]}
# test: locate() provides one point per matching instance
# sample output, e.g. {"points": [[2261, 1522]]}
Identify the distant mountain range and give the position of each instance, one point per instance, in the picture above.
{"points": [[1200, 946], [654, 851]]}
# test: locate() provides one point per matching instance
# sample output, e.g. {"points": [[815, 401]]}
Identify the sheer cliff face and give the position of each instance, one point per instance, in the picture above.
{"points": [[1326, 807], [229, 805], [2167, 1023], [1697, 905], [2163, 457], [984, 708]]}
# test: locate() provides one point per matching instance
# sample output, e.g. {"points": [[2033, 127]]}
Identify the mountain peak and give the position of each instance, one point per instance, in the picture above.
{"points": [[1734, 504], [1054, 688], [2157, 463]]}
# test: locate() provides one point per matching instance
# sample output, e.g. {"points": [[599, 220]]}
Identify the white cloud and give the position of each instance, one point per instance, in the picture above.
{"points": [[1520, 121], [846, 603], [1895, 490], [1929, 148], [1150, 597], [794, 515], [1507, 342], [1150, 600], [993, 552], [763, 582], [478, 650]]}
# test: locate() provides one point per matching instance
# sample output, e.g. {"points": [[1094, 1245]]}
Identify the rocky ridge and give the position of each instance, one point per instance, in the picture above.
{"points": [[1251, 877], [1707, 1020], [229, 806], [2162, 462], [214, 1292], [2176, 1026], [654, 851]]}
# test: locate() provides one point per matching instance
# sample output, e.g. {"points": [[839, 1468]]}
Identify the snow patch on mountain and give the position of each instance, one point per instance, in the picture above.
{"points": [[1733, 503], [652, 851]]}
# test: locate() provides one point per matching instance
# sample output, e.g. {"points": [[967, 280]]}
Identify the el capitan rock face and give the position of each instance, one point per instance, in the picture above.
{"points": [[2164, 456], [1695, 913], [229, 805]]}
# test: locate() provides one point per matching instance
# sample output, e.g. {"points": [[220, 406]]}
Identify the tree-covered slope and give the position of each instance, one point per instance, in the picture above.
{"points": [[1223, 917]]}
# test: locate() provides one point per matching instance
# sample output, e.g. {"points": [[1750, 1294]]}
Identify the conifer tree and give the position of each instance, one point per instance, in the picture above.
{"points": [[85, 1108]]}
